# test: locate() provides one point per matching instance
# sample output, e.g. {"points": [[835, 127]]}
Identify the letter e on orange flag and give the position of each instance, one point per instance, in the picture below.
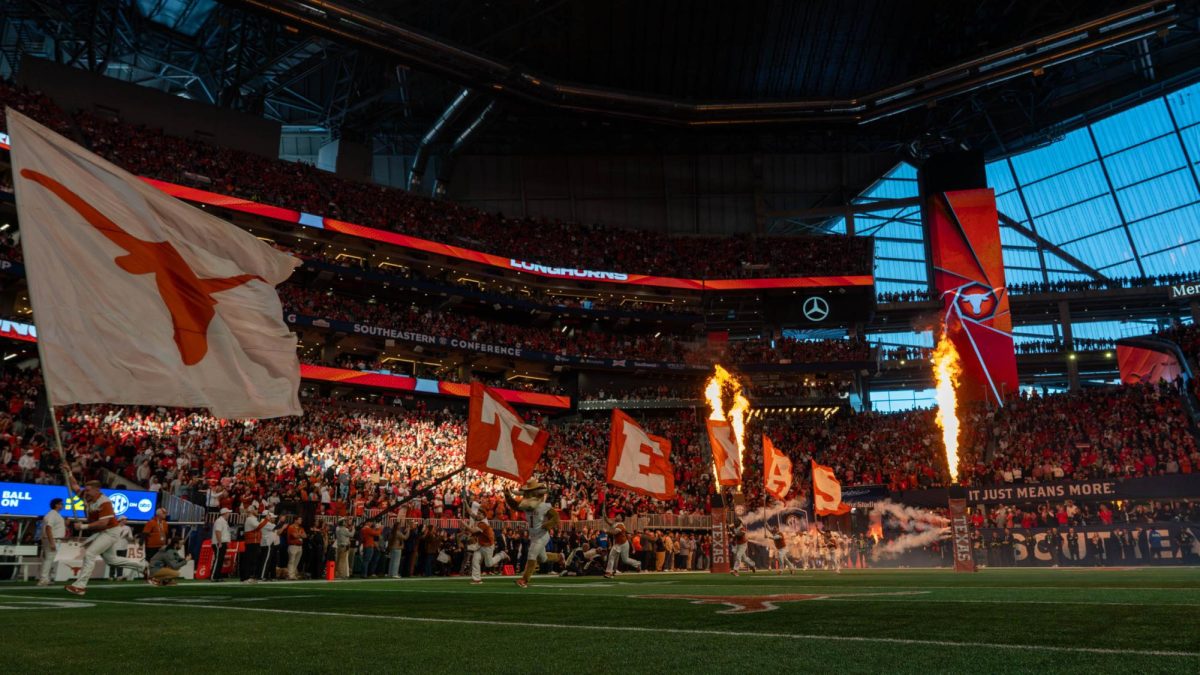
{"points": [[638, 461], [498, 440]]}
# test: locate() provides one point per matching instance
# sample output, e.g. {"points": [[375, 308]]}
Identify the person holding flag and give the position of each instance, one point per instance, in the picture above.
{"points": [[165, 304], [741, 542], [641, 463], [103, 527], [780, 551], [499, 442], [482, 545], [618, 550], [541, 517]]}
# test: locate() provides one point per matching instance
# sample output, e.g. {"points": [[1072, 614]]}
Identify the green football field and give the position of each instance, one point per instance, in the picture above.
{"points": [[918, 621]]}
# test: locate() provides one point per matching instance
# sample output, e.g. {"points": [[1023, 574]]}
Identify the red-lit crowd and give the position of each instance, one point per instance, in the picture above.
{"points": [[565, 340]]}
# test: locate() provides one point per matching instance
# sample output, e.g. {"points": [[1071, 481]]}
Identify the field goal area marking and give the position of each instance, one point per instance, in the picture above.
{"points": [[675, 631]]}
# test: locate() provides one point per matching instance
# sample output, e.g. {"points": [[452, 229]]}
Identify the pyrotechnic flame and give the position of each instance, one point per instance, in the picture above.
{"points": [[876, 531], [946, 369], [736, 415]]}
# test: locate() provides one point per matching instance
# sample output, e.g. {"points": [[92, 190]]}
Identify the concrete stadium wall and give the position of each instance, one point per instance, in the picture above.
{"points": [[701, 194], [74, 89]]}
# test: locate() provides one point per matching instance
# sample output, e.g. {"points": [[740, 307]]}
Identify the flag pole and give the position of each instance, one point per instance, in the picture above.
{"points": [[424, 489], [68, 479]]}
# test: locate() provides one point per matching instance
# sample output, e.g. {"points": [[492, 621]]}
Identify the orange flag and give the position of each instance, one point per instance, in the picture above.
{"points": [[725, 453], [498, 440], [638, 461], [777, 470], [827, 492]]}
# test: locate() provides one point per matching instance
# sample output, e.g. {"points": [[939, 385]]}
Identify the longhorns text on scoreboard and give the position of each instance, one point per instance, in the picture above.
{"points": [[968, 273]]}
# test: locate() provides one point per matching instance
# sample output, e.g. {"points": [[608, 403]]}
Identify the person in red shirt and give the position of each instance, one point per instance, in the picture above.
{"points": [[369, 534]]}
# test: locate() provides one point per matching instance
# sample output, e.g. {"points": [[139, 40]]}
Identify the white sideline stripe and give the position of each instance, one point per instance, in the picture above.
{"points": [[852, 598], [673, 631]]}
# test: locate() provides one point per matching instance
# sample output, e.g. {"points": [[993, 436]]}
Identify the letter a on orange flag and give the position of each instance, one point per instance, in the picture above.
{"points": [[498, 440], [777, 470], [638, 461]]}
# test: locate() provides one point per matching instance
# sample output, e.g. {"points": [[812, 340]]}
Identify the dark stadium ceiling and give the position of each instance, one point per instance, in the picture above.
{"points": [[909, 76]]}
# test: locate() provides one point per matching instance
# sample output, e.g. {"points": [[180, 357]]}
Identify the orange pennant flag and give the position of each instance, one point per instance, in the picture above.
{"points": [[498, 440], [827, 492], [725, 453], [777, 470], [638, 461]]}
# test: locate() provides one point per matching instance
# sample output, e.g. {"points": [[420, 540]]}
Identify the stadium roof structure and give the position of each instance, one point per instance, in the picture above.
{"points": [[670, 75], [1116, 198]]}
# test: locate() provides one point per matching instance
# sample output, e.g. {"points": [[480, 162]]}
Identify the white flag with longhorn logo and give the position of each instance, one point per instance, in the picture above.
{"points": [[142, 299], [777, 470], [498, 440]]}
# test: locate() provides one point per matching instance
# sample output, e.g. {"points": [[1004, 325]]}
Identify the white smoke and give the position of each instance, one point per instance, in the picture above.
{"points": [[909, 540], [920, 527], [909, 518]]}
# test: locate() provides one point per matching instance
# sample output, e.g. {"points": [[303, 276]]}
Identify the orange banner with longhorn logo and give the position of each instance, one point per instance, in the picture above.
{"points": [[827, 492], [638, 461], [968, 273], [777, 470], [498, 441]]}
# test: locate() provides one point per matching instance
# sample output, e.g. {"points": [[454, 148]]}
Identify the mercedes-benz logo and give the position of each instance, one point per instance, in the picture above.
{"points": [[815, 308]]}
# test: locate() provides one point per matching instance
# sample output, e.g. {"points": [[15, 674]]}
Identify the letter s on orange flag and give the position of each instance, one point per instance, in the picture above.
{"points": [[498, 440], [827, 492], [638, 461]]}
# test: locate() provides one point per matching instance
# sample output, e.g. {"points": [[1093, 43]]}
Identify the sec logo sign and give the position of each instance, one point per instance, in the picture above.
{"points": [[120, 503]]}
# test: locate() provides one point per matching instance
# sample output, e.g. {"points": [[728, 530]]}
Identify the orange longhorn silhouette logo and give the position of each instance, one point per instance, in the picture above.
{"points": [[188, 298]]}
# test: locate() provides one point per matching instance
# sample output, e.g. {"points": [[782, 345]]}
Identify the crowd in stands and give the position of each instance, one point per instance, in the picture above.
{"points": [[905, 353], [1073, 513], [457, 279], [1109, 432], [1187, 336], [905, 296], [565, 340], [303, 187], [1077, 285], [788, 350], [1026, 346], [575, 342]]}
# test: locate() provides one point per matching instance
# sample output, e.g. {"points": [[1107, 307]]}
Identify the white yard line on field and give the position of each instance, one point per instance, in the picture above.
{"points": [[679, 631]]}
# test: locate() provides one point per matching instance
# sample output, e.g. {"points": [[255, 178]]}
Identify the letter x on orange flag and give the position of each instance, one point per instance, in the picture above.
{"points": [[498, 440], [638, 461], [827, 492], [777, 470]]}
